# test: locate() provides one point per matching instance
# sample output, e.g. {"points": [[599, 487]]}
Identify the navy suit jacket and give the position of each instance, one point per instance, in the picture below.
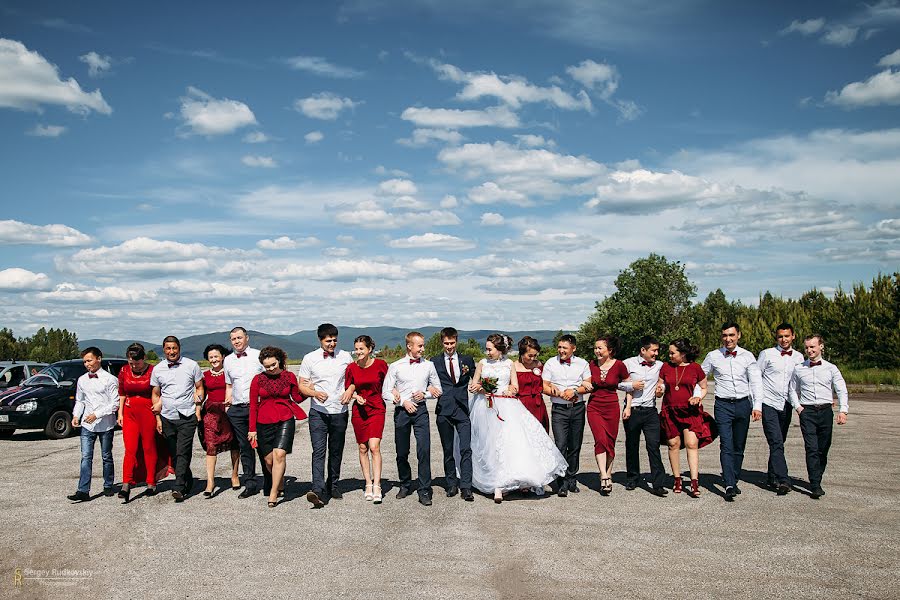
{"points": [[455, 396]]}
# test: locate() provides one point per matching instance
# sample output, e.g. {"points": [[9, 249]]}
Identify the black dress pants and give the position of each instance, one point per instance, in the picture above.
{"points": [[776, 424], [643, 420], [816, 424], [239, 417], [460, 425], [417, 424], [327, 433], [567, 422], [179, 435]]}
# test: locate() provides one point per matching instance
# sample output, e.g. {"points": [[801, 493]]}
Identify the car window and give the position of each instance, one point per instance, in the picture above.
{"points": [[17, 375], [72, 371]]}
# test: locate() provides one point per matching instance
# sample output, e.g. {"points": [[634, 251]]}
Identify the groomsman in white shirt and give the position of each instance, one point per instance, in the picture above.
{"points": [[777, 368], [96, 407], [241, 366], [411, 381], [566, 377], [640, 415], [810, 394], [322, 380], [738, 399]]}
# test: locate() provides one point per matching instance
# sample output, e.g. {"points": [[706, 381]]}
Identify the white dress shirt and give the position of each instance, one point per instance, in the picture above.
{"points": [[649, 374], [776, 370], [456, 365], [176, 383], [326, 375], [410, 377], [239, 373], [566, 377], [736, 376], [813, 385], [98, 395]]}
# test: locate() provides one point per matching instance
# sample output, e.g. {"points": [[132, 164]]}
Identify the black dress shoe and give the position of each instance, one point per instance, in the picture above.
{"points": [[452, 491], [817, 492], [730, 494], [79, 497], [151, 491], [737, 490], [466, 495], [573, 487], [630, 485], [659, 491], [109, 492], [425, 499], [178, 496], [563, 492], [125, 492], [247, 493], [314, 499], [402, 493], [336, 493], [783, 489]]}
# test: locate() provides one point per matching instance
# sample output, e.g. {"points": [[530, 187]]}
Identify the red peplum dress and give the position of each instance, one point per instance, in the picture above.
{"points": [[677, 414]]}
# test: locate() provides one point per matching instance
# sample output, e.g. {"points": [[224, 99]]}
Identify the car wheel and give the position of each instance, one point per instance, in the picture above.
{"points": [[59, 425], [5, 434]]}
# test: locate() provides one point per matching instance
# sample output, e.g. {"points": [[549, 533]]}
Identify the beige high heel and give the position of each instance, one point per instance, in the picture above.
{"points": [[376, 494], [369, 495]]}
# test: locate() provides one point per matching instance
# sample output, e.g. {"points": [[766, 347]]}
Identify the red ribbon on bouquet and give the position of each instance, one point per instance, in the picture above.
{"points": [[490, 402]]}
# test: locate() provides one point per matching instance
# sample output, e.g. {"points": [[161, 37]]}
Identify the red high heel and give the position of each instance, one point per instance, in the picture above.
{"points": [[695, 488], [677, 487]]}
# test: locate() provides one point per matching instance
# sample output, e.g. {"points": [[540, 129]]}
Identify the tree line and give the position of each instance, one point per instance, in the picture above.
{"points": [[46, 345]]}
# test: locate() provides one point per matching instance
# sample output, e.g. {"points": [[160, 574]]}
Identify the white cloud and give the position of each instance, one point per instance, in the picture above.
{"points": [[719, 269], [16, 232], [451, 118], [890, 60], [341, 270], [880, 89], [440, 241], [336, 252], [325, 106], [20, 280], [840, 35], [204, 289], [314, 137], [808, 27], [397, 187], [266, 162], [719, 240], [490, 193], [449, 201], [320, 66], [423, 137], [501, 158], [300, 203], [371, 216], [204, 115], [649, 191], [28, 81], [382, 170], [287, 243], [534, 141], [67, 293], [430, 265], [410, 203], [491, 219], [47, 131], [97, 65], [256, 137], [358, 293], [601, 77]]}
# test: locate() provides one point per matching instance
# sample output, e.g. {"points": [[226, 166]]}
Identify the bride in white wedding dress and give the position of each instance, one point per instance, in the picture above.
{"points": [[510, 449]]}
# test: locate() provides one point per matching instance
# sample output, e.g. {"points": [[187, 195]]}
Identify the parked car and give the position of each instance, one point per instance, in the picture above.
{"points": [[14, 372], [46, 400]]}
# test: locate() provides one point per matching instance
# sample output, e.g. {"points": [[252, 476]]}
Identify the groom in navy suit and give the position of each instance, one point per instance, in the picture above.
{"points": [[455, 371]]}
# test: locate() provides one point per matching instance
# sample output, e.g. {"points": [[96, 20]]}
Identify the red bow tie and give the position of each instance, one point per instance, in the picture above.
{"points": [[644, 363], [92, 376], [732, 353], [240, 354], [567, 361], [815, 364], [415, 361], [787, 352], [327, 354]]}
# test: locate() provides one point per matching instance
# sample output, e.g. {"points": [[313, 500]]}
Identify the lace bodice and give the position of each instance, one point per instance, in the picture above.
{"points": [[499, 369]]}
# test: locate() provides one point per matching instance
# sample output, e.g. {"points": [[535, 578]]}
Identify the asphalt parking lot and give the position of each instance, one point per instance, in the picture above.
{"points": [[629, 545]]}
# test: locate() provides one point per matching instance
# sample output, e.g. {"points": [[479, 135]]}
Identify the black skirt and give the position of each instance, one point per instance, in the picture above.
{"points": [[275, 435]]}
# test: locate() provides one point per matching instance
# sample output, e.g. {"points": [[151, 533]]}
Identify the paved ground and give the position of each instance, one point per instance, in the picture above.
{"points": [[630, 544]]}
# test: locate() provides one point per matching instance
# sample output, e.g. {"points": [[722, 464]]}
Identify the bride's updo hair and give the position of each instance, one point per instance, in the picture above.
{"points": [[498, 340]]}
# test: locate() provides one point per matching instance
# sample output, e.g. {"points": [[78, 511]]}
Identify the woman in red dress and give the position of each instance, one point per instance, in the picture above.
{"points": [[146, 458], [528, 373], [217, 433], [274, 406], [364, 378], [682, 418], [607, 372]]}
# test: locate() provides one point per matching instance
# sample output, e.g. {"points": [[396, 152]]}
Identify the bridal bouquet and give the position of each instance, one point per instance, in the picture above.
{"points": [[489, 385]]}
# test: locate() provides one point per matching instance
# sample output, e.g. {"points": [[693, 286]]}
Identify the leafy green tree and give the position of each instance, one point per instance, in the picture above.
{"points": [[434, 345], [10, 347], [52, 345], [152, 356], [472, 348]]}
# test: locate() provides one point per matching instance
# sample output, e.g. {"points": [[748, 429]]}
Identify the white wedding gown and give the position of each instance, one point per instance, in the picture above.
{"points": [[514, 452]]}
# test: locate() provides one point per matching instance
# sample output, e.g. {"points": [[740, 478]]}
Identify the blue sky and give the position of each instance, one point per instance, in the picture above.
{"points": [[490, 165]]}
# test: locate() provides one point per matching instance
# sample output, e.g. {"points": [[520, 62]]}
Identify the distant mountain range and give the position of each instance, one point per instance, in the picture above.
{"points": [[298, 344]]}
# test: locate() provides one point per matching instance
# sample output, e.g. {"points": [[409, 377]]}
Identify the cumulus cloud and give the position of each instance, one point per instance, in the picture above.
{"points": [[644, 191], [98, 65], [890, 60], [320, 66], [397, 187], [449, 201], [68, 293], [256, 137], [501, 158], [451, 118], [490, 219], [719, 240], [22, 280], [534, 141], [603, 80], [424, 137], [840, 35], [880, 89], [204, 115], [314, 137], [266, 162], [47, 131], [440, 241], [28, 81], [807, 27], [341, 270], [325, 106], [287, 243], [370, 215], [491, 193], [16, 232]]}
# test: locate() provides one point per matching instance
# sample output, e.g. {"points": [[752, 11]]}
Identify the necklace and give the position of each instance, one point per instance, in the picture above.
{"points": [[678, 377]]}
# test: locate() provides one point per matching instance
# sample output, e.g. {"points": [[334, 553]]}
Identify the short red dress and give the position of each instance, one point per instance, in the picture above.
{"points": [[603, 406], [677, 414], [531, 392], [143, 445], [217, 433], [368, 418]]}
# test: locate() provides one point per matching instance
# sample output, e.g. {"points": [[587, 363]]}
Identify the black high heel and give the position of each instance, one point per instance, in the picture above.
{"points": [[125, 492]]}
